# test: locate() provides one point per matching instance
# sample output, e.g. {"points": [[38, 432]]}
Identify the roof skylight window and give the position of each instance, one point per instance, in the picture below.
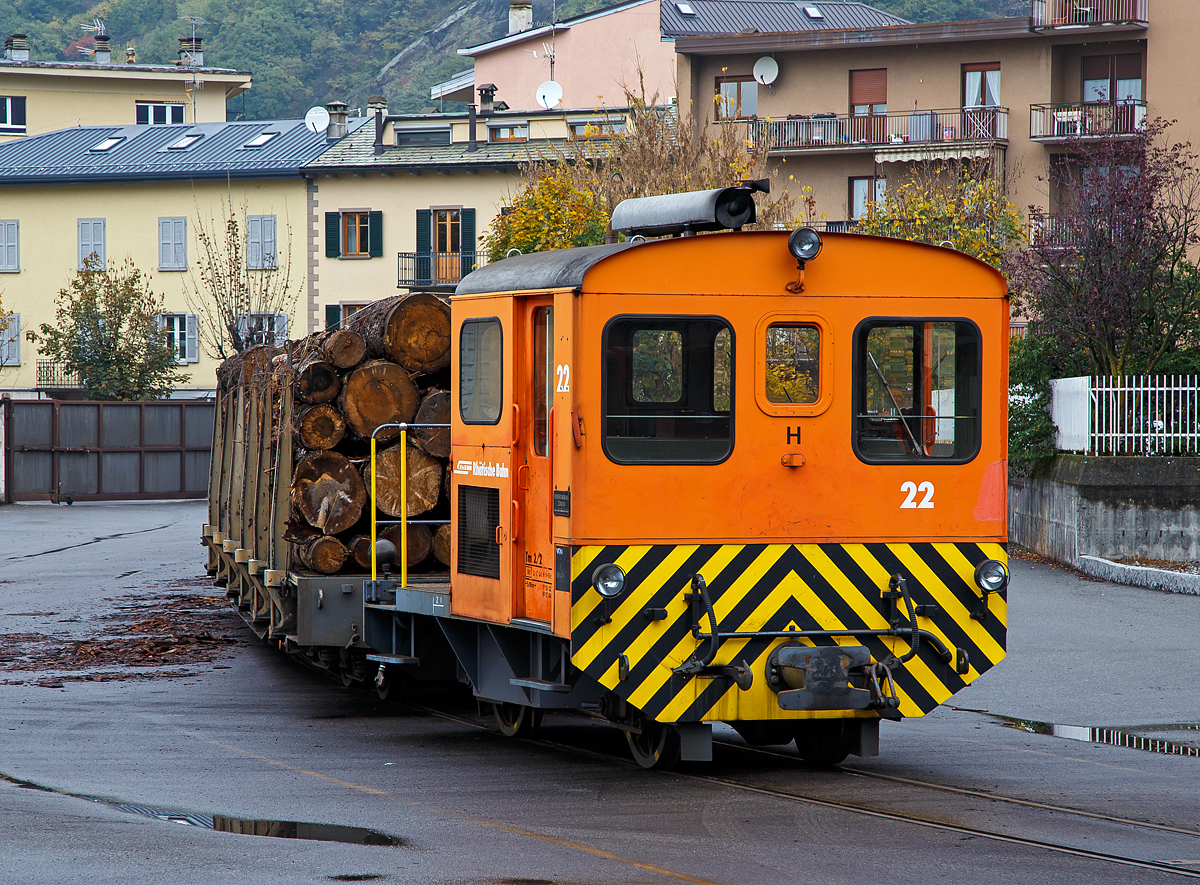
{"points": [[109, 143], [260, 139], [813, 12], [685, 9], [186, 142]]}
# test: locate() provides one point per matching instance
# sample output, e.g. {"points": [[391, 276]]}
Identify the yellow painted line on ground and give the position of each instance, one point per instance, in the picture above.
{"points": [[516, 831]]}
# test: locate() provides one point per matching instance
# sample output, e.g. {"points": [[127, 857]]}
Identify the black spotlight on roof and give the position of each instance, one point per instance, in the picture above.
{"points": [[805, 245]]}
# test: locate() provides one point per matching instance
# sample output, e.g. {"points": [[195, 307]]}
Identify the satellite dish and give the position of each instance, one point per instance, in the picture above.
{"points": [[766, 69], [316, 120], [549, 94]]}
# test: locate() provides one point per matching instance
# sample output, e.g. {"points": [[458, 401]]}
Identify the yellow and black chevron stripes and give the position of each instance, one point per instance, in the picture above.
{"points": [[771, 588]]}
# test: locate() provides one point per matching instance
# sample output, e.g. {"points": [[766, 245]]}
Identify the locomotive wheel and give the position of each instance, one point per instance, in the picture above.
{"points": [[656, 747], [822, 742], [516, 720], [388, 684]]}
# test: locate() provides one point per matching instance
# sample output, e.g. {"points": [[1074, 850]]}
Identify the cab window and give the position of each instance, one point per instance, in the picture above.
{"points": [[480, 371], [917, 390], [668, 390], [793, 363]]}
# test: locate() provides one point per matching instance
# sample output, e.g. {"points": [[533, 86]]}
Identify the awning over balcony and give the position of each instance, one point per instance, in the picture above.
{"points": [[917, 154]]}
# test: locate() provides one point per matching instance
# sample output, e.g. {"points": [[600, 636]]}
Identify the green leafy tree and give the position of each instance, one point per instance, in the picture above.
{"points": [[106, 332], [552, 212], [958, 203]]}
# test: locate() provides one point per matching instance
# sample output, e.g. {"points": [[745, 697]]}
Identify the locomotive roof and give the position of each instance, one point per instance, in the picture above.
{"points": [[557, 269]]}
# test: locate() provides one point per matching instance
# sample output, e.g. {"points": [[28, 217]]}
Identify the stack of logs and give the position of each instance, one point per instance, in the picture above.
{"points": [[388, 363]]}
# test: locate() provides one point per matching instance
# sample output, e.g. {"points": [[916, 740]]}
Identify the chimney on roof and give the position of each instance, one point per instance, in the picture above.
{"points": [[377, 105], [16, 48], [338, 111], [130, 55], [191, 51], [103, 54], [520, 15], [487, 98]]}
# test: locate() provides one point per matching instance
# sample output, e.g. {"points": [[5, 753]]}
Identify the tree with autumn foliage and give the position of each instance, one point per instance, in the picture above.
{"points": [[960, 203], [1109, 283], [568, 194]]}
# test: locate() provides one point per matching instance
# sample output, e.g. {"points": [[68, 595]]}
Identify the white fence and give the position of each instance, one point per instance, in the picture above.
{"points": [[1127, 415]]}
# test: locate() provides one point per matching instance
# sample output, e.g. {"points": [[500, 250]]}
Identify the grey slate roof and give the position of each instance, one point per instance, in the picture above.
{"points": [[358, 152], [557, 269], [768, 17], [67, 156]]}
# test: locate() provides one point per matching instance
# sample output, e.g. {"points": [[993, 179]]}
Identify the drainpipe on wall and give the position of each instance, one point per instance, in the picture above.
{"points": [[472, 145]]}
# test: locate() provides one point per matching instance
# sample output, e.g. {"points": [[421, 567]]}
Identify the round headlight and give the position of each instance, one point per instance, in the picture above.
{"points": [[991, 576], [608, 580], [804, 244]]}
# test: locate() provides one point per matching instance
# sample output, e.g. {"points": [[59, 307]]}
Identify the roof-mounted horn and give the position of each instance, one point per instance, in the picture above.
{"points": [[725, 208]]}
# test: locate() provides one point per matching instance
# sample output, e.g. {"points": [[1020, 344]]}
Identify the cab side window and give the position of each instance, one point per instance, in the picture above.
{"points": [[793, 363], [668, 390], [480, 371], [916, 390]]}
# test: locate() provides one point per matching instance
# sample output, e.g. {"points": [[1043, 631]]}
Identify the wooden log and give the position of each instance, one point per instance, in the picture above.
{"points": [[412, 330], [378, 393], [318, 381], [424, 482], [325, 554], [420, 544], [360, 551], [434, 409], [344, 348], [441, 545], [319, 427], [327, 491], [249, 365]]}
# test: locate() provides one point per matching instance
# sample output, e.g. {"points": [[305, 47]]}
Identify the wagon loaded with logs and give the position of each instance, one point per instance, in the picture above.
{"points": [[291, 470]]}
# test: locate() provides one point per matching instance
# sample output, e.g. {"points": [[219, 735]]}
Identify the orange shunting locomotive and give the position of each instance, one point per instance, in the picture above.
{"points": [[748, 477]]}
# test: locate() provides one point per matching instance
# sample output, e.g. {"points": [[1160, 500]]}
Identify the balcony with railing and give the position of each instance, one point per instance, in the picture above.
{"points": [[932, 132], [435, 270], [53, 375], [1086, 13], [1054, 232], [1062, 122]]}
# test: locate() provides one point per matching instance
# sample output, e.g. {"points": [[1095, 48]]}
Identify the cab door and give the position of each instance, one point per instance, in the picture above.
{"points": [[533, 584]]}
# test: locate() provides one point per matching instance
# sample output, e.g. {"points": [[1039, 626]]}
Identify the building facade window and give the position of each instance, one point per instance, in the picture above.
{"points": [[865, 190], [181, 331], [981, 85], [422, 137], [158, 113], [1111, 79], [263, 328], [172, 244], [261, 251], [598, 128], [353, 233], [12, 115], [10, 342], [336, 314], [511, 132], [737, 98], [91, 241], [10, 246]]}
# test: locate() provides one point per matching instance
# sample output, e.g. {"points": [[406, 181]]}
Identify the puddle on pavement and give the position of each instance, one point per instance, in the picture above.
{"points": [[279, 829], [1145, 738]]}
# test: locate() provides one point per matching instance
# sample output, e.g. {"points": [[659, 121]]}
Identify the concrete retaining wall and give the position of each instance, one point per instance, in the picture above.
{"points": [[1109, 508]]}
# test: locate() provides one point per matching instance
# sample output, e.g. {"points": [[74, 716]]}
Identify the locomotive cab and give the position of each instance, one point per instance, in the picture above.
{"points": [[694, 482]]}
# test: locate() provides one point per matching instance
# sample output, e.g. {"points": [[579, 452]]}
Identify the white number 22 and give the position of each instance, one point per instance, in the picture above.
{"points": [[563, 372], [910, 503]]}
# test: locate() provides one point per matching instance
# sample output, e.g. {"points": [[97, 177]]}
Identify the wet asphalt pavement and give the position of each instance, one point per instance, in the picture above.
{"points": [[248, 734]]}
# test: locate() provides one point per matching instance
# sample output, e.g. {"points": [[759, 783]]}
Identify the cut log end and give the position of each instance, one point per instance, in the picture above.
{"points": [[345, 348], [318, 381], [326, 554], [319, 427], [328, 492], [378, 393], [441, 545], [424, 482], [435, 409]]}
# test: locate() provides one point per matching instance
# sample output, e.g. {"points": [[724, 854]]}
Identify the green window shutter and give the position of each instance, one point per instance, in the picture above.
{"points": [[375, 234], [467, 240], [424, 246], [333, 315], [333, 234]]}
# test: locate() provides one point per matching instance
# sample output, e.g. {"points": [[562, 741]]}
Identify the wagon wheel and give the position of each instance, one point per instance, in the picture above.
{"points": [[822, 742], [516, 720], [656, 747]]}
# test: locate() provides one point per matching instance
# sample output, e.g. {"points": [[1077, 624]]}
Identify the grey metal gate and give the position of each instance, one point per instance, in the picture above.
{"points": [[91, 451]]}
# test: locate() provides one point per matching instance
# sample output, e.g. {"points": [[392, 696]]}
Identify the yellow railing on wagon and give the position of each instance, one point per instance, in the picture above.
{"points": [[403, 523]]}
